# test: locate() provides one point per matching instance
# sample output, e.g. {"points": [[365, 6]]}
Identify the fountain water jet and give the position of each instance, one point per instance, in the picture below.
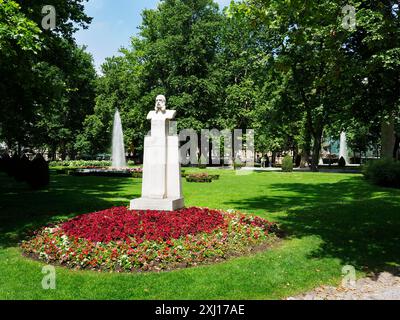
{"points": [[119, 166], [343, 147], [118, 147]]}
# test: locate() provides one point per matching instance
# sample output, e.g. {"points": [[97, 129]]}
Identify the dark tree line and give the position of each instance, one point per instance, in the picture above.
{"points": [[291, 70], [49, 84]]}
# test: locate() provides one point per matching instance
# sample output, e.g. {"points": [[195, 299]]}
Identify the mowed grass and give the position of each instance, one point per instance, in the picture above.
{"points": [[331, 220]]}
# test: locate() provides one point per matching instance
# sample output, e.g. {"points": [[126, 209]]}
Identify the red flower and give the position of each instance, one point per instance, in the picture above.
{"points": [[119, 223]]}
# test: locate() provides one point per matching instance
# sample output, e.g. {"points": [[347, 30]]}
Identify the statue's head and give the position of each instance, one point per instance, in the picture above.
{"points": [[161, 103]]}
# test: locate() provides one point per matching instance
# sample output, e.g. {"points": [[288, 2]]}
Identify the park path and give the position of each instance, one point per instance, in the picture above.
{"points": [[385, 286]]}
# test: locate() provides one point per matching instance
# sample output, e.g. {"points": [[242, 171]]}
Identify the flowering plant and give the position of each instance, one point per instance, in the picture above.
{"points": [[119, 223], [118, 239], [201, 177]]}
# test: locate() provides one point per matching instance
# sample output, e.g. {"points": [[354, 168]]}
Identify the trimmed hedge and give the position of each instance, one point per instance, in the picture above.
{"points": [[287, 164], [137, 174], [22, 169], [38, 176], [35, 173], [5, 163], [237, 165], [385, 173], [201, 177], [85, 163], [342, 162]]}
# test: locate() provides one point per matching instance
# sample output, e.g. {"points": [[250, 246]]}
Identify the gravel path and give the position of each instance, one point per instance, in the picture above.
{"points": [[383, 287]]}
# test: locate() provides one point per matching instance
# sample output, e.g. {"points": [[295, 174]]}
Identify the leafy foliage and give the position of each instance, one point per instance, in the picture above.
{"points": [[174, 55], [17, 32], [49, 87], [384, 173], [287, 69], [287, 164]]}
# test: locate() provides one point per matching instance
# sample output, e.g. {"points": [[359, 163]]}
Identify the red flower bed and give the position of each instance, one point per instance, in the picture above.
{"points": [[122, 240], [122, 224]]}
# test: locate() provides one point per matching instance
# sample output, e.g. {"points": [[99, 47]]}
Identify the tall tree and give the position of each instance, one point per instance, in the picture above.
{"points": [[179, 42], [307, 59], [19, 44], [375, 47], [174, 55], [49, 80]]}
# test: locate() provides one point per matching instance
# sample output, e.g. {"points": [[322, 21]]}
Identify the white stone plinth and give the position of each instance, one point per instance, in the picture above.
{"points": [[157, 204]]}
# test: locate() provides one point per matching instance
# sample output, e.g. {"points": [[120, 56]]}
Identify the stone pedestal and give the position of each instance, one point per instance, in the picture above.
{"points": [[157, 204], [161, 185]]}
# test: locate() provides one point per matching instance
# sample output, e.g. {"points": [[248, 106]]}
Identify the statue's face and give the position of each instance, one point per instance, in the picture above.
{"points": [[160, 103]]}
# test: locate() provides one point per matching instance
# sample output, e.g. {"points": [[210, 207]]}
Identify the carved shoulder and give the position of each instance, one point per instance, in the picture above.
{"points": [[168, 114], [151, 115]]}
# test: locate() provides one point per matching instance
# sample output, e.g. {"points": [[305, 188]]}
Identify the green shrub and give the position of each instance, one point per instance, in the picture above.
{"points": [[384, 173], [38, 176], [62, 171], [5, 163], [237, 165], [199, 177], [81, 163], [202, 162], [287, 164], [137, 174], [342, 162], [22, 169]]}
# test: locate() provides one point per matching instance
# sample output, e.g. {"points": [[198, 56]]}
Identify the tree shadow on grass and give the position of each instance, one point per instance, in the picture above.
{"points": [[358, 223], [23, 210]]}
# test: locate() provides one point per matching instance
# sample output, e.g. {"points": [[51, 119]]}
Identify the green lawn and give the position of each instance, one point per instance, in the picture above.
{"points": [[330, 219]]}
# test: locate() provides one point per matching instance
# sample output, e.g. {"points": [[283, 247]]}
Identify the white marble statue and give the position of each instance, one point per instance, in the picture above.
{"points": [[161, 185]]}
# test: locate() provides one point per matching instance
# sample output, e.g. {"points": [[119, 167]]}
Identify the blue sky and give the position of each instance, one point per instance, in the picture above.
{"points": [[114, 23]]}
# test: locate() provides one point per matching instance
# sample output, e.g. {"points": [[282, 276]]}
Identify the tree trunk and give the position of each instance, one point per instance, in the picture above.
{"points": [[388, 138], [305, 158], [317, 143], [72, 155], [295, 153], [306, 148], [54, 153], [63, 152], [315, 154]]}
